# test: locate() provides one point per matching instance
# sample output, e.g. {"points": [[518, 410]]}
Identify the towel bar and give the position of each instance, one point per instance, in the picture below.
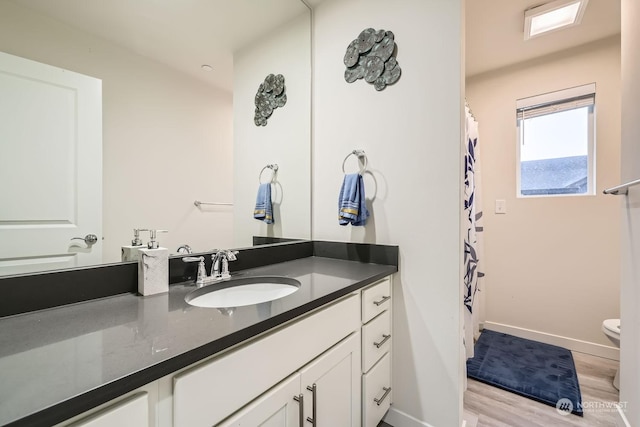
{"points": [[198, 203], [622, 189]]}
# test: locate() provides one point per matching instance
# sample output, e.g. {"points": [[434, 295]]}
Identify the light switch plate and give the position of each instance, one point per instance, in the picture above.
{"points": [[501, 206]]}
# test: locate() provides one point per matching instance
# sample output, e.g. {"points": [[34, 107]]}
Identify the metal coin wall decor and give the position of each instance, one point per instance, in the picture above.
{"points": [[271, 95], [372, 57]]}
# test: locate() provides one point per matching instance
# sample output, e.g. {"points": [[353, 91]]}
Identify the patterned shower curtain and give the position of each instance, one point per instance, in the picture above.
{"points": [[473, 248]]}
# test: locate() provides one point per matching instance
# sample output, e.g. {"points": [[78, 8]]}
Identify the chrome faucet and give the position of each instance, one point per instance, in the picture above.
{"points": [[185, 249], [220, 267]]}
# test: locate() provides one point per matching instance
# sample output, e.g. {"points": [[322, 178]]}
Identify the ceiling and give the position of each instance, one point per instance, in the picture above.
{"points": [[188, 33], [495, 32], [183, 34]]}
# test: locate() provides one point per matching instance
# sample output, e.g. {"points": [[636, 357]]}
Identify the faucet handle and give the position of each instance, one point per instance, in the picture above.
{"points": [[231, 255], [202, 272]]}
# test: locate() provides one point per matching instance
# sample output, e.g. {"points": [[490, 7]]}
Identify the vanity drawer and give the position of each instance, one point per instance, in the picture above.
{"points": [[376, 340], [376, 387], [376, 299]]}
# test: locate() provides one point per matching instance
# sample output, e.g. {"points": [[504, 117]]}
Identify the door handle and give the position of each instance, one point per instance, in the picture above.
{"points": [[386, 390], [89, 239], [382, 301], [385, 338], [300, 399], [313, 420]]}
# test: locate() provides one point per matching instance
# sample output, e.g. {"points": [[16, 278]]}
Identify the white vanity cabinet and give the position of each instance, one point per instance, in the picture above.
{"points": [[376, 352], [333, 364], [330, 386], [213, 390], [279, 407], [320, 394]]}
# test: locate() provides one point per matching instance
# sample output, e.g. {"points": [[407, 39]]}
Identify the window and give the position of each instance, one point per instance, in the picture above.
{"points": [[556, 139]]}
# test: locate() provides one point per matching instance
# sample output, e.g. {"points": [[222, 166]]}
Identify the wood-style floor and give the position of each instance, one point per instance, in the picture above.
{"points": [[492, 407]]}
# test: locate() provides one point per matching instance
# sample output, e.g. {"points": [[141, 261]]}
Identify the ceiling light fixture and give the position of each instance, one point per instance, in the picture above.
{"points": [[553, 16]]}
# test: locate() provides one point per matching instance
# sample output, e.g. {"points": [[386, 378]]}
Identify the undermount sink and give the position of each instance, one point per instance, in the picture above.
{"points": [[243, 291]]}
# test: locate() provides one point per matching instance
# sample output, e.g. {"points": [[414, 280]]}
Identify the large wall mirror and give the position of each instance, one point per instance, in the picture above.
{"points": [[175, 83]]}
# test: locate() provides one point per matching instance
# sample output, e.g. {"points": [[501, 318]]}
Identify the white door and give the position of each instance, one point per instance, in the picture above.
{"points": [[334, 379], [278, 407], [50, 166]]}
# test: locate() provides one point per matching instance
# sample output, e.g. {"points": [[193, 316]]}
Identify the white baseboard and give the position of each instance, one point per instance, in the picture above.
{"points": [[621, 419], [570, 343], [399, 419], [469, 419]]}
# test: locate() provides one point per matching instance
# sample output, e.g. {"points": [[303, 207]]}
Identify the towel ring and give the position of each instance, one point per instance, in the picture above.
{"points": [[359, 154], [273, 167]]}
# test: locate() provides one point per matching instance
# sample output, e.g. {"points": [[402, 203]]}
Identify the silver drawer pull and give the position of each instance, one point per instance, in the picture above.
{"points": [[314, 421], [383, 300], [385, 338], [387, 390], [300, 399]]}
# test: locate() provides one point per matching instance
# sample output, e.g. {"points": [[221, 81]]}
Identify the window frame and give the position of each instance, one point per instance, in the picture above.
{"points": [[560, 97]]}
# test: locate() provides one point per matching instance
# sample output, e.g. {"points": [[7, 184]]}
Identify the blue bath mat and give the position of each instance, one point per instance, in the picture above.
{"points": [[532, 369]]}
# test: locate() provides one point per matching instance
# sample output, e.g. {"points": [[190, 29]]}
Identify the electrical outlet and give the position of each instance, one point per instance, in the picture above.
{"points": [[501, 206]]}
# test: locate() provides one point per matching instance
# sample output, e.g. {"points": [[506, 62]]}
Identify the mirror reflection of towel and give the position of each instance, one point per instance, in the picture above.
{"points": [[264, 209], [352, 208]]}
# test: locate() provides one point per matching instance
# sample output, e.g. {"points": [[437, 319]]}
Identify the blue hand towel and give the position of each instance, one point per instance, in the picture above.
{"points": [[264, 210], [351, 203]]}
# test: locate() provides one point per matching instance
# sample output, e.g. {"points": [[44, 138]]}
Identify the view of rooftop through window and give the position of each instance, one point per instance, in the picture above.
{"points": [[554, 149]]}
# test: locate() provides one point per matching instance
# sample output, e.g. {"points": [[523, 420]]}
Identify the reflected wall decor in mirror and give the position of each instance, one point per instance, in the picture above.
{"points": [[177, 82]]}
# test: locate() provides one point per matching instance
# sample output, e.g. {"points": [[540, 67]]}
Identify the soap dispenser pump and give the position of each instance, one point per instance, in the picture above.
{"points": [[153, 267], [153, 242], [131, 253]]}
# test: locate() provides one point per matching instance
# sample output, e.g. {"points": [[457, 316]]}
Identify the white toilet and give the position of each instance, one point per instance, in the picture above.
{"points": [[611, 328]]}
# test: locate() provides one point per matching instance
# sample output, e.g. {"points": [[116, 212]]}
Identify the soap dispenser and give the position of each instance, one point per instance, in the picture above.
{"points": [[153, 267], [132, 252]]}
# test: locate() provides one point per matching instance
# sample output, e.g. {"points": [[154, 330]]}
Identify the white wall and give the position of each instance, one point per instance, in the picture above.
{"points": [[167, 137], [551, 263], [285, 140], [411, 132], [630, 292]]}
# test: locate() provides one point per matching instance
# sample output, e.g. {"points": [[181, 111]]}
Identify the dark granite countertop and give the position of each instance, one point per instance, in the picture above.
{"points": [[59, 362]]}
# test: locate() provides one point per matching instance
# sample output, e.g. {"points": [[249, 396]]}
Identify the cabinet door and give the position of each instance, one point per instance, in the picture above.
{"points": [[275, 408], [333, 382]]}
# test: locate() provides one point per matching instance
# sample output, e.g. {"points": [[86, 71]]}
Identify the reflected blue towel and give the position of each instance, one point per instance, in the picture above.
{"points": [[352, 208], [264, 209]]}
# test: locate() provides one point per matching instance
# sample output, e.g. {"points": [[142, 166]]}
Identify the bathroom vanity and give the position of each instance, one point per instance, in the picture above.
{"points": [[320, 356]]}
